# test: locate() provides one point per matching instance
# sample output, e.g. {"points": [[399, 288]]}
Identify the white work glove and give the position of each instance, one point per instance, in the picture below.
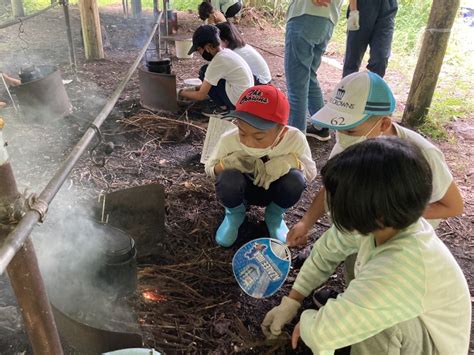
{"points": [[279, 316], [276, 167], [239, 160], [259, 173], [353, 21]]}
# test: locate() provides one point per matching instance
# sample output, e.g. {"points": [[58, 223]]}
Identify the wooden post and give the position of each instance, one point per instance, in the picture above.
{"points": [[430, 60], [17, 8], [136, 8], [91, 32], [155, 9]]}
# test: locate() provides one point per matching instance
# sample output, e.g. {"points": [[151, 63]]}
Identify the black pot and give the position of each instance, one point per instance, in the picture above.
{"points": [[118, 272], [29, 73], [159, 65]]}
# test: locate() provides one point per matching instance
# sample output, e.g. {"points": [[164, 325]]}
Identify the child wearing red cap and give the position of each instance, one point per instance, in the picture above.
{"points": [[262, 162]]}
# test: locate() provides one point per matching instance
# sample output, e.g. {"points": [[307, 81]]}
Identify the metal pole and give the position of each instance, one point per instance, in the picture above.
{"points": [[9, 93], [165, 10], [72, 52], [23, 19], [25, 276], [17, 237]]}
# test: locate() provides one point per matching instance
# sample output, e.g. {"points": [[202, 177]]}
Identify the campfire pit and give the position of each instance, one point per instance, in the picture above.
{"points": [[42, 94], [158, 89]]}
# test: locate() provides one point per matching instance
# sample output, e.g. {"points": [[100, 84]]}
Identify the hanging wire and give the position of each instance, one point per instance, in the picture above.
{"points": [[25, 45]]}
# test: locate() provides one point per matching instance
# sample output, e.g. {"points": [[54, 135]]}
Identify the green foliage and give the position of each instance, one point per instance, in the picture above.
{"points": [[181, 5], [411, 19]]}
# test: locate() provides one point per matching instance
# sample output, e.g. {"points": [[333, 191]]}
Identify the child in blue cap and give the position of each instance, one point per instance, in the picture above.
{"points": [[360, 107]]}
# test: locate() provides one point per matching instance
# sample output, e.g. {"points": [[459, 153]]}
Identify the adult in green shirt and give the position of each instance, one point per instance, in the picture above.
{"points": [[309, 28]]}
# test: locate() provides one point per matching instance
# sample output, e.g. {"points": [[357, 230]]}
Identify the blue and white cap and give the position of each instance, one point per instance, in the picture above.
{"points": [[356, 98]]}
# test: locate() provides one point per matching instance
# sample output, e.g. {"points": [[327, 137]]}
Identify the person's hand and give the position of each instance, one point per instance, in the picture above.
{"points": [[323, 3], [353, 21], [298, 234], [239, 160], [279, 316], [276, 167], [295, 336]]}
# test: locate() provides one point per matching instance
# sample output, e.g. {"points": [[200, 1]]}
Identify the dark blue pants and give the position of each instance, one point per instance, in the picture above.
{"points": [[233, 10], [217, 93], [377, 23], [234, 188]]}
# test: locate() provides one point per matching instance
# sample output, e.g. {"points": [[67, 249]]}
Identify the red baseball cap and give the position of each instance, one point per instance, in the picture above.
{"points": [[262, 107]]}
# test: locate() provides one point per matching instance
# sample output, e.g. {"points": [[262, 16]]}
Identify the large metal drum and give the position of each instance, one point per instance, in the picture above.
{"points": [[45, 97]]}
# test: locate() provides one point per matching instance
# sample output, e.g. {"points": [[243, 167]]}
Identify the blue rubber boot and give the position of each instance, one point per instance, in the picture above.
{"points": [[227, 232], [275, 223]]}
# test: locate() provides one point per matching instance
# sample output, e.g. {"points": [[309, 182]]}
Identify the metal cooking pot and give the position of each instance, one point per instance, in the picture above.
{"points": [[29, 73], [159, 65], [118, 271]]}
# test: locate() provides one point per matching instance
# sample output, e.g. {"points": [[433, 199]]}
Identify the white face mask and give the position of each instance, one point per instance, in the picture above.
{"points": [[261, 152], [345, 140]]}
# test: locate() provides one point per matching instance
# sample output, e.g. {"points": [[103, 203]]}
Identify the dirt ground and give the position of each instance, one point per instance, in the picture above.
{"points": [[200, 308]]}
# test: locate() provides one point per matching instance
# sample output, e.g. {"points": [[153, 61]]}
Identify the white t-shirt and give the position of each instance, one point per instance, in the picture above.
{"points": [[257, 64], [231, 67], [292, 142], [411, 275], [442, 177]]}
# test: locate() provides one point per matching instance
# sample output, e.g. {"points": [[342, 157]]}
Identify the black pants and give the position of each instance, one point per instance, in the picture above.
{"points": [[377, 23], [234, 188], [217, 93], [257, 82], [233, 10]]}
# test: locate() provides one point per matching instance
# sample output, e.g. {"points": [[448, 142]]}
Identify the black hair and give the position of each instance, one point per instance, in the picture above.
{"points": [[378, 183], [230, 34], [205, 9]]}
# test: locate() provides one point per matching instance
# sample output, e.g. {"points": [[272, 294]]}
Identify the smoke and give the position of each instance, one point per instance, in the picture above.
{"points": [[71, 250]]}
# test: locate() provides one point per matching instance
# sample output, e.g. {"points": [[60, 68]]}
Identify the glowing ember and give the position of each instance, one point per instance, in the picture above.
{"points": [[153, 296]]}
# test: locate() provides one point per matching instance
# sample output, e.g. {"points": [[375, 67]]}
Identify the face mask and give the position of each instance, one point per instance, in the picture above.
{"points": [[345, 140], [261, 152], [207, 56]]}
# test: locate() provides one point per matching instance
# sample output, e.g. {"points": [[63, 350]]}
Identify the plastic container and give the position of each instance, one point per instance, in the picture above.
{"points": [[133, 351], [182, 48]]}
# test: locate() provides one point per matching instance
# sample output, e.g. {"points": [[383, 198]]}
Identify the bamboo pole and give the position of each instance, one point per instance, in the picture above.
{"points": [[91, 32], [430, 60]]}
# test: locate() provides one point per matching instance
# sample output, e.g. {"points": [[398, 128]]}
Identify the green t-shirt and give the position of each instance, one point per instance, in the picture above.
{"points": [[223, 5], [306, 7]]}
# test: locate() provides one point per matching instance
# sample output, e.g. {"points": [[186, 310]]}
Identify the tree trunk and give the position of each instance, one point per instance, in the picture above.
{"points": [[136, 8], [91, 32], [430, 60], [17, 8]]}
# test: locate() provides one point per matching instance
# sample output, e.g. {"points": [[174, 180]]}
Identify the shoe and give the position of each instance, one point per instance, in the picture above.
{"points": [[228, 231], [215, 111], [275, 223], [321, 134], [322, 295]]}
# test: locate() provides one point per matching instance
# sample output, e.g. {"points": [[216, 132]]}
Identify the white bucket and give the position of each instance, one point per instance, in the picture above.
{"points": [[182, 48]]}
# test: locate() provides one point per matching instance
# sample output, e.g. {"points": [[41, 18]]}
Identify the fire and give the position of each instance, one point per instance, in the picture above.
{"points": [[153, 296]]}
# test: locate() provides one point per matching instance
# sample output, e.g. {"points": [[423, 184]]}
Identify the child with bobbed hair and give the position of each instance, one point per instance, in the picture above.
{"points": [[409, 295], [231, 39]]}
